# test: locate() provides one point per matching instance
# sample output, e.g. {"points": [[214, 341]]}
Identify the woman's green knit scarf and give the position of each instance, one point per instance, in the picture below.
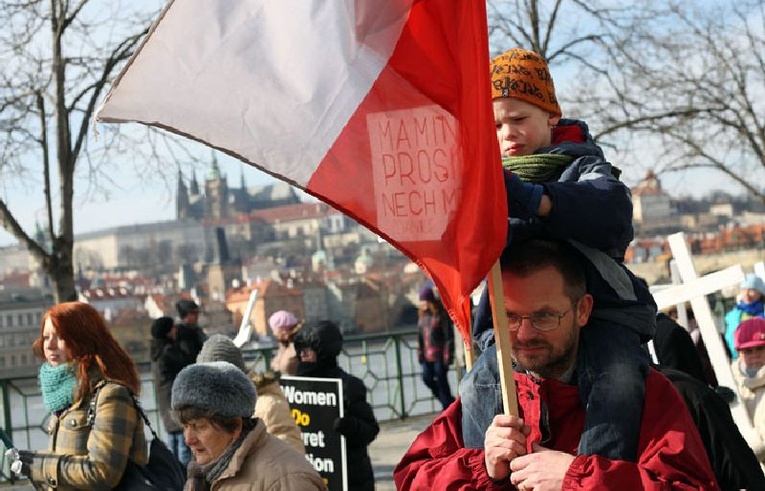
{"points": [[542, 167], [58, 385]]}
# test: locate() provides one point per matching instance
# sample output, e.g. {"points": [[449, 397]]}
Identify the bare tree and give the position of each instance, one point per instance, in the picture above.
{"points": [[58, 58], [562, 31], [694, 83], [669, 85]]}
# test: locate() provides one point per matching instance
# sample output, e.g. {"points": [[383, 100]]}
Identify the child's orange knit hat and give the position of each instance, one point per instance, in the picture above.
{"points": [[524, 75]]}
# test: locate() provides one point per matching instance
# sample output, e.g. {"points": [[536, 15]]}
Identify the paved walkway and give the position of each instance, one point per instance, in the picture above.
{"points": [[390, 445]]}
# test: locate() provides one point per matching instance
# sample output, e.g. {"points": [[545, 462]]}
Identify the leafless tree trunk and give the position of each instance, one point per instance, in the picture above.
{"points": [[58, 57]]}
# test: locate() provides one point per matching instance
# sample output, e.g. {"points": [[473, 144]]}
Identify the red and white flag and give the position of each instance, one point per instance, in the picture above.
{"points": [[381, 108]]}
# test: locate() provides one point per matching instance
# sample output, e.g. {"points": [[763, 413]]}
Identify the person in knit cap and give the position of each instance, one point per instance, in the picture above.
{"points": [[167, 359], [284, 325], [318, 345], [435, 345], [750, 304], [749, 372], [560, 187], [232, 450], [271, 407]]}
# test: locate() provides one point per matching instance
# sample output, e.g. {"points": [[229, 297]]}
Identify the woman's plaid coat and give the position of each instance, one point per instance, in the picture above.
{"points": [[85, 454]]}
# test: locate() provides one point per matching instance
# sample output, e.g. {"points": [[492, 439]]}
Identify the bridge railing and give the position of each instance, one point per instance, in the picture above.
{"points": [[387, 363]]}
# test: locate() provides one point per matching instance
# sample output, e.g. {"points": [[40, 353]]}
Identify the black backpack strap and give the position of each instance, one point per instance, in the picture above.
{"points": [[92, 408], [138, 408], [136, 403]]}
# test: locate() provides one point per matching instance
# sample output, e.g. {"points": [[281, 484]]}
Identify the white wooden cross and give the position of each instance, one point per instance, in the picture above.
{"points": [[694, 289]]}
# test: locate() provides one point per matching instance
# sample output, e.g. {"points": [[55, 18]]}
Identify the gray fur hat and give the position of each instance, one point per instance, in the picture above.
{"points": [[218, 387], [220, 348]]}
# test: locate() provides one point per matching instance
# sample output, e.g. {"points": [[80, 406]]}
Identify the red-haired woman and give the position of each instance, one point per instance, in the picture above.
{"points": [[90, 444]]}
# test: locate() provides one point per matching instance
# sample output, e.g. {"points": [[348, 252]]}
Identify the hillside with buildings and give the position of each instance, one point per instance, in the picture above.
{"points": [[722, 229], [305, 257], [224, 244]]}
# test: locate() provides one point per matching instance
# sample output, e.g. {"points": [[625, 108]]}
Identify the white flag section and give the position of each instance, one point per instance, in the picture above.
{"points": [[303, 79], [381, 108]]}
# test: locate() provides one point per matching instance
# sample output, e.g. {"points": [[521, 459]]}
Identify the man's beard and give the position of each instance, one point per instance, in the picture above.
{"points": [[550, 362]]}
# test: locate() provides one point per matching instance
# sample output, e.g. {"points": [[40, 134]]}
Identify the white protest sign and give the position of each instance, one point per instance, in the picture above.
{"points": [[315, 404]]}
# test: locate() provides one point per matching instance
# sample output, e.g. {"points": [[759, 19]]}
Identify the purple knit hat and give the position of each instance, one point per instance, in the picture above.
{"points": [[282, 321], [426, 293]]}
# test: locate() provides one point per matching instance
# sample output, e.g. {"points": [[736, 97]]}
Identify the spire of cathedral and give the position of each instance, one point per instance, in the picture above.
{"points": [[181, 199], [194, 187], [214, 174]]}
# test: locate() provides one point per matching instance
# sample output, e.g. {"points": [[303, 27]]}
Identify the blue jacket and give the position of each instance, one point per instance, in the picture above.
{"points": [[734, 317], [592, 211]]}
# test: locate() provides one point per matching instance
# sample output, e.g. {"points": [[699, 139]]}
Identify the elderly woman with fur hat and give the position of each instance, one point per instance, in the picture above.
{"points": [[232, 450], [284, 325], [272, 406]]}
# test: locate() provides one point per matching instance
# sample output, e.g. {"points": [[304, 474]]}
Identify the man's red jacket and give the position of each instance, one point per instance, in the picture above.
{"points": [[671, 454]]}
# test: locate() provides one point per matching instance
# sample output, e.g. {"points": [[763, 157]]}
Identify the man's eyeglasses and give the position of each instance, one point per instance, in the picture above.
{"points": [[541, 321]]}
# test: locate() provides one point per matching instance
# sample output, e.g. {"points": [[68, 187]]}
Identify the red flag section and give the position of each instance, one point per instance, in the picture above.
{"points": [[412, 154], [426, 132]]}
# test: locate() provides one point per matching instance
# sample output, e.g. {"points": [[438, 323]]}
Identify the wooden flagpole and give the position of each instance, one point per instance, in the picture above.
{"points": [[469, 354], [502, 341]]}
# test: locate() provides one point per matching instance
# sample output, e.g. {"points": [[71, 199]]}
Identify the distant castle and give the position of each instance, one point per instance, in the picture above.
{"points": [[221, 201]]}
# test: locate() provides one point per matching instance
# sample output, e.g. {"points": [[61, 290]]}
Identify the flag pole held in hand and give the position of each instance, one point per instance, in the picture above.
{"points": [[502, 341]]}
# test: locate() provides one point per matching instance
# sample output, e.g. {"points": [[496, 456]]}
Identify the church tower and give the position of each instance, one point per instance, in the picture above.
{"points": [[194, 186], [223, 269], [216, 193], [181, 199]]}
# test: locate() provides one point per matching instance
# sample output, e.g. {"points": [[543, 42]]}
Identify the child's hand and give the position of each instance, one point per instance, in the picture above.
{"points": [[523, 198]]}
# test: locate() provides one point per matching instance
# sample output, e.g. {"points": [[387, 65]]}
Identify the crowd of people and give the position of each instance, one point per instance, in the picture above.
{"points": [[237, 426], [230, 427], [597, 409]]}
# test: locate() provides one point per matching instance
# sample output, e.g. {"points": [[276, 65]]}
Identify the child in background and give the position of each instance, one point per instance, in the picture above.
{"points": [[560, 187], [749, 303], [749, 372]]}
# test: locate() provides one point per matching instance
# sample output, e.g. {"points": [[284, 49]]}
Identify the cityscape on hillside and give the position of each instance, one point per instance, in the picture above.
{"points": [[306, 257]]}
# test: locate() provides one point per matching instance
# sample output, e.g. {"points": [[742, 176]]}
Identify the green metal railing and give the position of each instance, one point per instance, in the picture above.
{"points": [[387, 363]]}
